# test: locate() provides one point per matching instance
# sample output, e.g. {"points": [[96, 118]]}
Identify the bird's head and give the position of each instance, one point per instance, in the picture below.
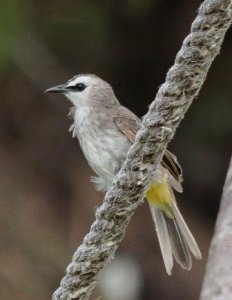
{"points": [[86, 89]]}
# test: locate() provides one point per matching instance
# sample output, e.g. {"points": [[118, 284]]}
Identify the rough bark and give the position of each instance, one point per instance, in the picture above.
{"points": [[217, 282], [182, 85]]}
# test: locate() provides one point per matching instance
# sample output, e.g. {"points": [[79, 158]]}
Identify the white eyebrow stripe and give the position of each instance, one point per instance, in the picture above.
{"points": [[80, 79]]}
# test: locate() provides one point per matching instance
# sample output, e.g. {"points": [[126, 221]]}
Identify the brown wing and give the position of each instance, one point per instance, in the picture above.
{"points": [[128, 124], [171, 164]]}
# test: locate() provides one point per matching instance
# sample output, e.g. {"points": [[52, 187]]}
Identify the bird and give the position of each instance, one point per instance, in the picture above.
{"points": [[106, 130]]}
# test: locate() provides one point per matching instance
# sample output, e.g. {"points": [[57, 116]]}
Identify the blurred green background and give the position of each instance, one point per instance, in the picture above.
{"points": [[47, 201]]}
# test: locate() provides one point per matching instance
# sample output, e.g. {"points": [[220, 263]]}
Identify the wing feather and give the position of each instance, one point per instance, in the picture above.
{"points": [[128, 123]]}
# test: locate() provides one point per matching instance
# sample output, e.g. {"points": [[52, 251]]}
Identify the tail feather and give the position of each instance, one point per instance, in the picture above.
{"points": [[180, 248], [163, 237], [174, 236], [175, 239], [187, 235]]}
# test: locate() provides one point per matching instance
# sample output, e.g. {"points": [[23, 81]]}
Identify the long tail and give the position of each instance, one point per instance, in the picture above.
{"points": [[174, 236]]}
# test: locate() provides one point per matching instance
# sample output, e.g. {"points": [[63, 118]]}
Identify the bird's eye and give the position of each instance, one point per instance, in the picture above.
{"points": [[79, 87]]}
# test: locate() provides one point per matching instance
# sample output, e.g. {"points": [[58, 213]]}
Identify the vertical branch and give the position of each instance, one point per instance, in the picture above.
{"points": [[217, 283]]}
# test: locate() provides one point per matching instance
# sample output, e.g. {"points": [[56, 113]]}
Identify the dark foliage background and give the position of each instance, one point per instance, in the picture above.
{"points": [[46, 198]]}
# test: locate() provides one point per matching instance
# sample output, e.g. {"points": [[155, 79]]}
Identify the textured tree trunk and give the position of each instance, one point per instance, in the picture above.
{"points": [[217, 282], [182, 85]]}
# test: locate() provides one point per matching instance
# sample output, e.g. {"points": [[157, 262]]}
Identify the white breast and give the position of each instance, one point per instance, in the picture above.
{"points": [[104, 147]]}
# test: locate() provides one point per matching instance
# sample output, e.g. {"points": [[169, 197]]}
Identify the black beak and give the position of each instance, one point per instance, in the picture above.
{"points": [[57, 89]]}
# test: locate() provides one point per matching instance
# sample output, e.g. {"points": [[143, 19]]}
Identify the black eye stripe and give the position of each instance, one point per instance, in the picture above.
{"points": [[79, 87]]}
